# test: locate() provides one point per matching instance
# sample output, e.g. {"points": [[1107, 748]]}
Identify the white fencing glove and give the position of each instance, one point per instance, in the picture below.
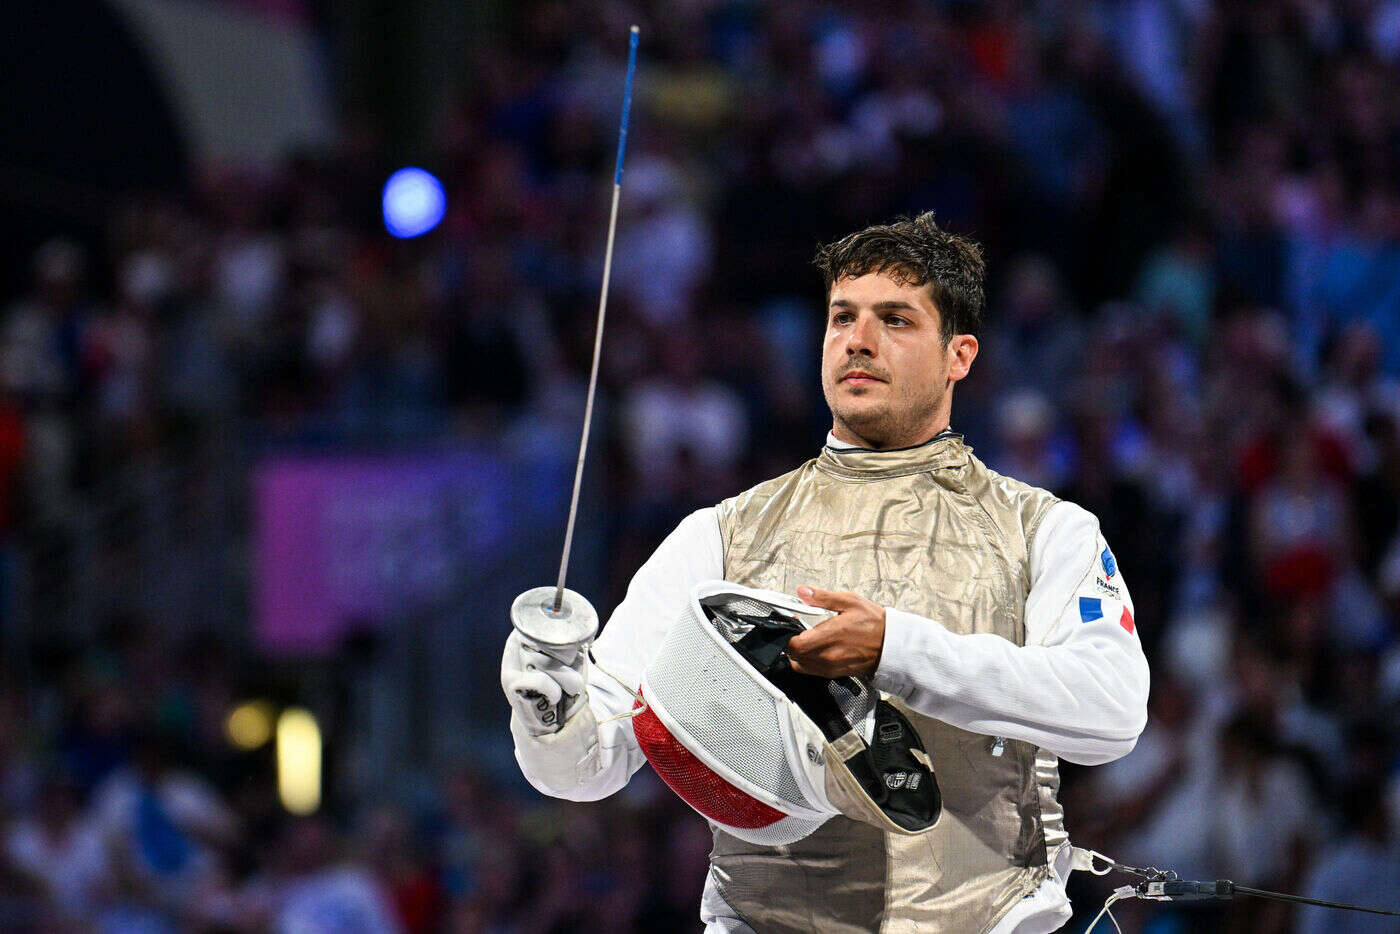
{"points": [[544, 689]]}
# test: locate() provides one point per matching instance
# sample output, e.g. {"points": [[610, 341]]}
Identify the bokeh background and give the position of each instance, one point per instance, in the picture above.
{"points": [[261, 461]]}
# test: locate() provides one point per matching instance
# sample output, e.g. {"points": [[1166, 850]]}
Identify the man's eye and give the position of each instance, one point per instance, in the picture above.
{"points": [[896, 320], [842, 317]]}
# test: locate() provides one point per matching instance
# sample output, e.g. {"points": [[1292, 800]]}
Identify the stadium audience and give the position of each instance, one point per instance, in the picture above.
{"points": [[1193, 227]]}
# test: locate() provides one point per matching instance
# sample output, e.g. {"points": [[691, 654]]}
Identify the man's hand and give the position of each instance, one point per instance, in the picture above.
{"points": [[848, 643], [544, 687]]}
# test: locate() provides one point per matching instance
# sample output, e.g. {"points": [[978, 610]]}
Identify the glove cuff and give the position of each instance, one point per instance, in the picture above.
{"points": [[558, 763]]}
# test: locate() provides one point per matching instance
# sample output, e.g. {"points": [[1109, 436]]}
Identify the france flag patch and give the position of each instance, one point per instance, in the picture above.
{"points": [[1090, 609]]}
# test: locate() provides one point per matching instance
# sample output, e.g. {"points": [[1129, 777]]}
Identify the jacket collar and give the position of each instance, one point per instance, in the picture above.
{"points": [[945, 449]]}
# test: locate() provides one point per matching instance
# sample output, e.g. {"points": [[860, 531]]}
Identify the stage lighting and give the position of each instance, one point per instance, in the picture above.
{"points": [[249, 725], [414, 203], [299, 761]]}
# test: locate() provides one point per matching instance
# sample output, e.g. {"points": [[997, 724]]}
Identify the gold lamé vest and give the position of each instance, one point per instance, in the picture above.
{"points": [[933, 531]]}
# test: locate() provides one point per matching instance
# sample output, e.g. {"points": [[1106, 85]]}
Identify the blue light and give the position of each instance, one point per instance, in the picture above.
{"points": [[414, 203]]}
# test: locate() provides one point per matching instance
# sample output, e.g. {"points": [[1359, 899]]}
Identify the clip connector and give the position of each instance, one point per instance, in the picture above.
{"points": [[1183, 891]]}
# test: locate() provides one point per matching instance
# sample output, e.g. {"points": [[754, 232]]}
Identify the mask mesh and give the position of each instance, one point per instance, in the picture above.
{"points": [[856, 699], [718, 702]]}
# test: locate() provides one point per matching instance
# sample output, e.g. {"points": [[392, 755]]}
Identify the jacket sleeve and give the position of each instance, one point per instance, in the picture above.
{"points": [[1077, 688], [596, 753]]}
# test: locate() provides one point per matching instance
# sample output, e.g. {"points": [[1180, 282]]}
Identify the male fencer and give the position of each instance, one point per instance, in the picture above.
{"points": [[990, 611]]}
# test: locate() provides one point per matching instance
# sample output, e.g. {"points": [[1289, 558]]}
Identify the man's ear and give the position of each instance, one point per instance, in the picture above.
{"points": [[962, 350]]}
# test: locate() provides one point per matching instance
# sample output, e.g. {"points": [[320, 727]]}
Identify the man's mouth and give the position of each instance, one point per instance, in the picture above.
{"points": [[860, 377]]}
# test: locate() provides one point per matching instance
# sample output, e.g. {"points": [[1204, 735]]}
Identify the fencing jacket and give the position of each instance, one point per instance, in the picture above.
{"points": [[1009, 639]]}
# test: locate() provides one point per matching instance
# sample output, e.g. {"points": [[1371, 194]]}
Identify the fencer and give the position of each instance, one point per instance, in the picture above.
{"points": [[991, 613]]}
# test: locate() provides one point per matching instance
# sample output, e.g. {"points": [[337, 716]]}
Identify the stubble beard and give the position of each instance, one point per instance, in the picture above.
{"points": [[894, 424]]}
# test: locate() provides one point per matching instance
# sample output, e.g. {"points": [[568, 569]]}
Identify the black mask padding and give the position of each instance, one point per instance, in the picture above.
{"points": [[765, 646], [903, 787], [908, 789]]}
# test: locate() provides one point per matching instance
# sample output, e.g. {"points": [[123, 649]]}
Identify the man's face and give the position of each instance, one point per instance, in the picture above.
{"points": [[886, 371]]}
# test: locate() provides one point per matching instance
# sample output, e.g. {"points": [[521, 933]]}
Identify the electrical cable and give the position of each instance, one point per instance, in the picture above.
{"points": [[1121, 892], [1166, 885]]}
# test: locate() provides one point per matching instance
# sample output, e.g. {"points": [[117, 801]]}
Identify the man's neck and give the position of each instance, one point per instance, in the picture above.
{"points": [[835, 440]]}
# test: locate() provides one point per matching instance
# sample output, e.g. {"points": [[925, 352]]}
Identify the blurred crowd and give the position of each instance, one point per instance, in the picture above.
{"points": [[128, 810], [1192, 220]]}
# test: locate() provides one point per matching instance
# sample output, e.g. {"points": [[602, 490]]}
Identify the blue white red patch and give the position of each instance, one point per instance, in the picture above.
{"points": [[1090, 609], [1110, 567]]}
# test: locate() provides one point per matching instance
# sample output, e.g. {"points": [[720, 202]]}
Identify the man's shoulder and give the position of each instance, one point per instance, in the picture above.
{"points": [[1030, 502], [1035, 505], [762, 493]]}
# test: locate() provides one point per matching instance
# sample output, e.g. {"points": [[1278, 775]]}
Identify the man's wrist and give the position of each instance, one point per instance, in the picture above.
{"points": [[558, 762], [880, 649], [893, 674]]}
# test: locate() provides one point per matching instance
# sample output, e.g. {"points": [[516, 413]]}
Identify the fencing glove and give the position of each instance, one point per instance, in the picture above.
{"points": [[544, 689]]}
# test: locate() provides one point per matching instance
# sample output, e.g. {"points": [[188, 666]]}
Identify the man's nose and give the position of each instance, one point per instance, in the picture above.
{"points": [[861, 339]]}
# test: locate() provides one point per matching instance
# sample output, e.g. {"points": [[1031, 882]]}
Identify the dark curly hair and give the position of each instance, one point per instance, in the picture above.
{"points": [[914, 251]]}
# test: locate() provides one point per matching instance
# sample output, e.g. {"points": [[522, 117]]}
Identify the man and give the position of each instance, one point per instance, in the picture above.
{"points": [[991, 612]]}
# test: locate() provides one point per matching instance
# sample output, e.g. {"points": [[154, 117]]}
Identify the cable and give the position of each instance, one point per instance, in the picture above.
{"points": [[1165, 885], [1280, 896], [1121, 892], [642, 701]]}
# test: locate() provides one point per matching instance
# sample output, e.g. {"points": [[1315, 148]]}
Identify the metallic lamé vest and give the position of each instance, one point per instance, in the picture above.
{"points": [[933, 531]]}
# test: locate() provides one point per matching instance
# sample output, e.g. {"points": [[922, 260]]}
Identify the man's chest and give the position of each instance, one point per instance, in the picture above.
{"points": [[906, 543]]}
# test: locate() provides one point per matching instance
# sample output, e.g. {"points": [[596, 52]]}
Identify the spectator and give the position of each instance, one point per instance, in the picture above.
{"points": [[1363, 868], [62, 853], [312, 889]]}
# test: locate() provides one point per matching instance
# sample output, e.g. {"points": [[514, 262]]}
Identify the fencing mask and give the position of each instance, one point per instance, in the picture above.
{"points": [[763, 751]]}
